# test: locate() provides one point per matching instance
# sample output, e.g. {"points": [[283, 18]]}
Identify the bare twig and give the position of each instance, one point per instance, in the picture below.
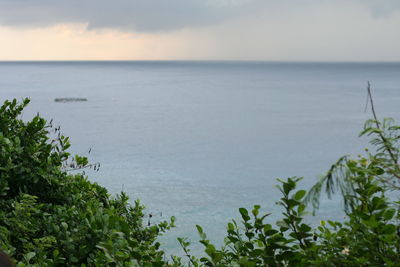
{"points": [[383, 138]]}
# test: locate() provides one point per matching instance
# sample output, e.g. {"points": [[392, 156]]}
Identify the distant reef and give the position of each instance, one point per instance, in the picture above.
{"points": [[70, 99]]}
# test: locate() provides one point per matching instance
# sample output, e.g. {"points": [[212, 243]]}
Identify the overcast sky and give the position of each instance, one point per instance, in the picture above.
{"points": [[279, 30]]}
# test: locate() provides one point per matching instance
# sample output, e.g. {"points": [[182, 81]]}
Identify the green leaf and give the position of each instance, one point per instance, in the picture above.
{"points": [[199, 229], [388, 215], [256, 210], [244, 213], [64, 225], [299, 195], [30, 256], [389, 229]]}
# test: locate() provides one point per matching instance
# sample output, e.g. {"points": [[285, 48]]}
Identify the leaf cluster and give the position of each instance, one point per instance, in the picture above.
{"points": [[369, 234], [49, 217]]}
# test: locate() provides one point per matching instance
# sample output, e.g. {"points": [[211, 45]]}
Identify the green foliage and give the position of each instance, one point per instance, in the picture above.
{"points": [[382, 163], [256, 243], [369, 235], [51, 218]]}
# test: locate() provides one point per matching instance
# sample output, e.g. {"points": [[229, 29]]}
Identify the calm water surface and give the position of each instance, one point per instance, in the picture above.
{"points": [[198, 140]]}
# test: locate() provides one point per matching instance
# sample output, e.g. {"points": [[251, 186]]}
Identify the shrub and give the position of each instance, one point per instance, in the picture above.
{"points": [[369, 235], [49, 217]]}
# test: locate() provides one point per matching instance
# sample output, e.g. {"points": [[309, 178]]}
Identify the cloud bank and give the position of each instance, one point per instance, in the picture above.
{"points": [[284, 30], [135, 15], [159, 15]]}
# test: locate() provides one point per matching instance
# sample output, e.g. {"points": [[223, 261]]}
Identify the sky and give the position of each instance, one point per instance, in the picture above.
{"points": [[270, 30]]}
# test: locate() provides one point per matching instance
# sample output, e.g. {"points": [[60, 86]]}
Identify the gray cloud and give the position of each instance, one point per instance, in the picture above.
{"points": [[156, 15], [138, 15], [383, 8]]}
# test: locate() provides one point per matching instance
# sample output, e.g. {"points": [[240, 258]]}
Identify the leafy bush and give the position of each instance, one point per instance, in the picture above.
{"points": [[369, 235], [51, 218]]}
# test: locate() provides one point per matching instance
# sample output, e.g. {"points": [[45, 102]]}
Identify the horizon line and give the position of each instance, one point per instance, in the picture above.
{"points": [[196, 60]]}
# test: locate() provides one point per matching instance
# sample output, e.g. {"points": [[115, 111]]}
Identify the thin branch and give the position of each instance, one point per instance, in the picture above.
{"points": [[383, 138], [372, 104]]}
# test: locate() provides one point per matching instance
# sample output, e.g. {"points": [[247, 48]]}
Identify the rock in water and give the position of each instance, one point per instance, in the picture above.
{"points": [[70, 99]]}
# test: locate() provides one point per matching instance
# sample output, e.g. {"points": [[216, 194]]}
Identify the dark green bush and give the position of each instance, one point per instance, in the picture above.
{"points": [[51, 218]]}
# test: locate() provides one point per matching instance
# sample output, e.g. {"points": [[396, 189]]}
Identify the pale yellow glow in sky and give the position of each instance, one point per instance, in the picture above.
{"points": [[74, 42], [325, 33]]}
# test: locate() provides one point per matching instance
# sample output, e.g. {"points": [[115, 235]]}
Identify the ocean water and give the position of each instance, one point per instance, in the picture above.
{"points": [[198, 140]]}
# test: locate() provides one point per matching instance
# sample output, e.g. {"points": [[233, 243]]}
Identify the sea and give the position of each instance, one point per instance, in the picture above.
{"points": [[199, 139]]}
